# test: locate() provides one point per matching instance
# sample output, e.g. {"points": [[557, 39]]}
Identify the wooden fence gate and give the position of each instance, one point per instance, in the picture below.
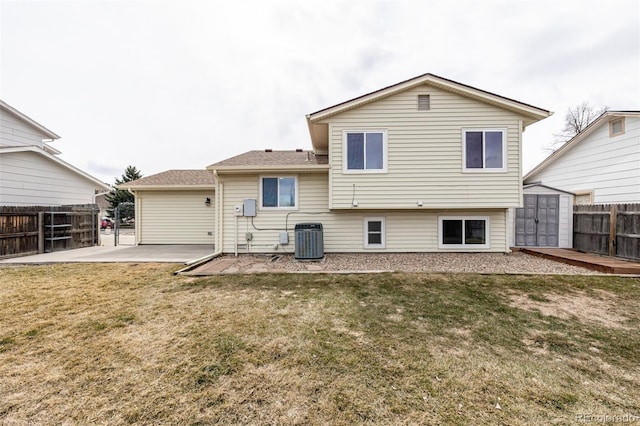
{"points": [[609, 229], [40, 229]]}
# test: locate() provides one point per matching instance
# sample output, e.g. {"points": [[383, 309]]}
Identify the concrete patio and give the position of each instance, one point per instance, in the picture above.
{"points": [[121, 253]]}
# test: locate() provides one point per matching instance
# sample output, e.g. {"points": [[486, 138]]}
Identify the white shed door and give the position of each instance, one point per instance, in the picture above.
{"points": [[176, 217]]}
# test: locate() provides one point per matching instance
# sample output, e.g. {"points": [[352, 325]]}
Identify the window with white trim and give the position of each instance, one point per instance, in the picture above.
{"points": [[374, 232], [365, 151], [463, 232], [279, 192], [616, 127], [484, 149]]}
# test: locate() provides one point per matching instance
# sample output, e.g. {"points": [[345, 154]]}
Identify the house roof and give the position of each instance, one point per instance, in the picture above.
{"points": [[173, 179], [318, 131], [12, 149], [604, 118], [11, 110], [101, 200], [269, 160]]}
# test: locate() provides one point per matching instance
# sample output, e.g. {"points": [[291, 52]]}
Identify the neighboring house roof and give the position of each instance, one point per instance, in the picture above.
{"points": [[48, 133], [173, 179], [98, 184], [530, 112], [595, 124], [50, 149], [101, 200], [269, 160]]}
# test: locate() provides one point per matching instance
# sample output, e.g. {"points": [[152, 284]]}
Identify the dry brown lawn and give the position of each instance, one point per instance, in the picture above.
{"points": [[134, 344]]}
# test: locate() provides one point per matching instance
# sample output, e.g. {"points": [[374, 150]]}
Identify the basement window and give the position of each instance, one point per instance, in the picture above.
{"points": [[374, 232], [469, 232]]}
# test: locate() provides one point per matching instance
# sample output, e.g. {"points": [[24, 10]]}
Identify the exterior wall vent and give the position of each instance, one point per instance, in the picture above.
{"points": [[309, 241], [268, 150], [424, 102]]}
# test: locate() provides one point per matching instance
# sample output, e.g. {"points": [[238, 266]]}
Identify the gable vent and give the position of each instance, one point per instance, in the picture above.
{"points": [[424, 102]]}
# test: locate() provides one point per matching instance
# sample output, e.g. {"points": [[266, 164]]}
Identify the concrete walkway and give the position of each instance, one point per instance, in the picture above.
{"points": [[595, 262], [122, 253]]}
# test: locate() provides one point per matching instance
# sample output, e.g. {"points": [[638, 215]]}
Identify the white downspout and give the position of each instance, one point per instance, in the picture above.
{"points": [[235, 235], [136, 204], [220, 213]]}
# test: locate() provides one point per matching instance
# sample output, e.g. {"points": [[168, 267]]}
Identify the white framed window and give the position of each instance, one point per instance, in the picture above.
{"points": [[374, 232], [484, 150], [365, 151], [463, 232], [279, 192], [616, 127]]}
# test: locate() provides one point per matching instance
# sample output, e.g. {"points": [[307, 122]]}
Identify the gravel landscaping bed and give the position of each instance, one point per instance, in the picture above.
{"points": [[495, 263]]}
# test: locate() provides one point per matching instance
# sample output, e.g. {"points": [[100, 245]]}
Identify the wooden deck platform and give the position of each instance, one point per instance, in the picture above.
{"points": [[595, 262]]}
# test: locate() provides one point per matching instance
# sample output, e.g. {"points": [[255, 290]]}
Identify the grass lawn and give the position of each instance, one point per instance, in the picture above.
{"points": [[127, 343]]}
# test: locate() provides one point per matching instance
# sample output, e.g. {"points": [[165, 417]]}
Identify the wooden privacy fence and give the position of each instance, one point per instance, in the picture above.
{"points": [[609, 229], [40, 229]]}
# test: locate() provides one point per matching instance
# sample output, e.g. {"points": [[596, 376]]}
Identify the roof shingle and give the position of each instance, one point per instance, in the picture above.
{"points": [[273, 158], [175, 178]]}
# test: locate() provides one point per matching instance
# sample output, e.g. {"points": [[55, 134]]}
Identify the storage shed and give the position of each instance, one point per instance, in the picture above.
{"points": [[546, 218]]}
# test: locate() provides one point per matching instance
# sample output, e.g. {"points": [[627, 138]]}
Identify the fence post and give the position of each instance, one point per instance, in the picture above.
{"points": [[613, 218], [93, 227], [40, 232]]}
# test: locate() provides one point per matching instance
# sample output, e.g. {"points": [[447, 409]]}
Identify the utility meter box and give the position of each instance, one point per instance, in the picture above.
{"points": [[284, 238], [249, 207]]}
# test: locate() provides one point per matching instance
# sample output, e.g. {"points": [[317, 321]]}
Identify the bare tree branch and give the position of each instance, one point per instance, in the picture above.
{"points": [[576, 120]]}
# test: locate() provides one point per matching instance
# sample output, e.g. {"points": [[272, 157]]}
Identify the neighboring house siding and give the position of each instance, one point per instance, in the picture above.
{"points": [[175, 217], [14, 132], [405, 231], [425, 158], [608, 166], [28, 179]]}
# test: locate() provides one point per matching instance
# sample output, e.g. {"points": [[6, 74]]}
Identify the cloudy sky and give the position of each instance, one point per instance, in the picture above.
{"points": [[183, 84]]}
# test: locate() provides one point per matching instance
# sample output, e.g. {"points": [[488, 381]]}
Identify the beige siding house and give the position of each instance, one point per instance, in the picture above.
{"points": [[424, 165], [174, 207], [31, 172]]}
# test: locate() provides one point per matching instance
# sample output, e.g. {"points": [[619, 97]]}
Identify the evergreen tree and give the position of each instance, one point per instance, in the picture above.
{"points": [[118, 196]]}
